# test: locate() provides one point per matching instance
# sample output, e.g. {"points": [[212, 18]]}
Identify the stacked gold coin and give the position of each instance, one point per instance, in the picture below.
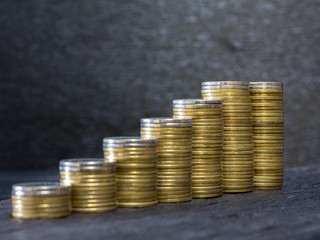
{"points": [[267, 121], [237, 156], [207, 135], [174, 156], [136, 161], [40, 200], [92, 182]]}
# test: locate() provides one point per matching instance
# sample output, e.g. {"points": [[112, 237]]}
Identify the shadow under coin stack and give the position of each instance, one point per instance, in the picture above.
{"points": [[237, 156], [92, 183], [136, 161], [174, 156], [267, 122], [40, 200], [207, 135]]}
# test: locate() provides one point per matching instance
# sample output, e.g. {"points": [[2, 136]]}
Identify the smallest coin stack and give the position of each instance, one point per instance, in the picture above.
{"points": [[92, 183], [136, 161], [40, 200]]}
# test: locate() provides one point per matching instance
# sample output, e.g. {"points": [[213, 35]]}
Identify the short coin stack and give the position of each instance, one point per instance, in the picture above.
{"points": [[40, 200], [136, 161], [267, 121], [207, 135], [92, 183], [237, 156], [174, 156]]}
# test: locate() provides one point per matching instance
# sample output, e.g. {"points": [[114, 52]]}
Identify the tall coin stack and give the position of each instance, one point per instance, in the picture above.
{"points": [[174, 156], [40, 200], [267, 121], [207, 135], [92, 183], [136, 161], [237, 156]]}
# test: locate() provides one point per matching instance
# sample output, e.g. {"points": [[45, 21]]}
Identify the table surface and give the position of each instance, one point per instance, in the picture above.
{"points": [[292, 213]]}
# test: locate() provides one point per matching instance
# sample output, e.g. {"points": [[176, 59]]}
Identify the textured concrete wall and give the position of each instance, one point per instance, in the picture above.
{"points": [[73, 72]]}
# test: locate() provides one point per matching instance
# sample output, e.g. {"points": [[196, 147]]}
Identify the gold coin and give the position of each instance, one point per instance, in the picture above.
{"points": [[173, 200], [207, 195], [268, 188], [234, 156], [96, 209], [268, 181], [172, 155], [237, 162], [173, 191], [209, 141], [133, 150], [238, 181], [138, 204], [236, 175], [17, 209], [40, 215], [173, 161], [40, 200], [278, 176], [79, 202], [208, 178], [161, 186], [264, 184], [241, 190], [236, 153], [236, 169], [125, 196], [208, 120]]}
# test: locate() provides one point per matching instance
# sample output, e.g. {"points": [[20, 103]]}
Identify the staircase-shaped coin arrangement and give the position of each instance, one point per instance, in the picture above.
{"points": [[231, 141]]}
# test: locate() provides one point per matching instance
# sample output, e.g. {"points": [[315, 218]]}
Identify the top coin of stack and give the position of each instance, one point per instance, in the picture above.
{"points": [[92, 182], [207, 135], [40, 200], [174, 156], [136, 161], [237, 156], [267, 122]]}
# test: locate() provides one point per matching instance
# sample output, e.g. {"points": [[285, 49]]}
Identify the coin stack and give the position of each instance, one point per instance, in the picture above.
{"points": [[136, 161], [267, 122], [237, 155], [174, 156], [207, 135], [40, 200], [92, 183]]}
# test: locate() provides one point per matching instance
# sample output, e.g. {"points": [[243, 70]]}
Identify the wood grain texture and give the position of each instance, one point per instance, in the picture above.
{"points": [[292, 213]]}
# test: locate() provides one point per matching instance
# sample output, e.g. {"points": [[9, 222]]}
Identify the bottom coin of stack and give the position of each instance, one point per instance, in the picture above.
{"points": [[92, 182], [40, 200], [136, 170], [174, 156]]}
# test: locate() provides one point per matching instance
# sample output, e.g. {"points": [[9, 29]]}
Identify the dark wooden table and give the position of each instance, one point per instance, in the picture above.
{"points": [[292, 213]]}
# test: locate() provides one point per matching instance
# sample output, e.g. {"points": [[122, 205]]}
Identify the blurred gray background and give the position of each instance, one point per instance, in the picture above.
{"points": [[73, 72]]}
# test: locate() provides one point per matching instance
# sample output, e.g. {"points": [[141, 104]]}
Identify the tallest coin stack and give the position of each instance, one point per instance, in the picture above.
{"points": [[267, 122], [237, 154]]}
